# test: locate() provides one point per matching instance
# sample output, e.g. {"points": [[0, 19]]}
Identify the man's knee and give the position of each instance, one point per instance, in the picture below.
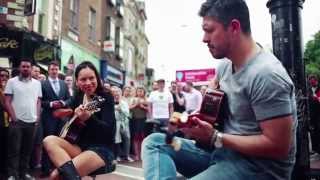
{"points": [[153, 140]]}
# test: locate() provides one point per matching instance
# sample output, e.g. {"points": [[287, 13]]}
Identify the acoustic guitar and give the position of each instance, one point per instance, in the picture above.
{"points": [[72, 128], [212, 110]]}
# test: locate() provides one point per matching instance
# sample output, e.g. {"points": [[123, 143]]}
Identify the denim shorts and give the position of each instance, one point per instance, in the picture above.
{"points": [[107, 155]]}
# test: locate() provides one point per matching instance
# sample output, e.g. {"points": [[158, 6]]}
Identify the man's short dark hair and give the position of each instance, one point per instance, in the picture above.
{"points": [[25, 60], [53, 63], [312, 76], [4, 69], [189, 83], [225, 11], [161, 81]]}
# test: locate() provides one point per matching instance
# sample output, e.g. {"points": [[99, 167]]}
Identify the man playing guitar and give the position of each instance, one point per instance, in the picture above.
{"points": [[258, 139]]}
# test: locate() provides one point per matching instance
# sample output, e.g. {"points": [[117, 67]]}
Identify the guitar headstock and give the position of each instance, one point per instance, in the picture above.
{"points": [[95, 104]]}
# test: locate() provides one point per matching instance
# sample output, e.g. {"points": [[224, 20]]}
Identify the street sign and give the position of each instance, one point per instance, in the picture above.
{"points": [[3, 10]]}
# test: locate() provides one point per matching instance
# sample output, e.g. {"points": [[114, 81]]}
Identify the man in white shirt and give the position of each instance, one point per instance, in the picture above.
{"points": [[161, 104], [22, 98], [193, 98]]}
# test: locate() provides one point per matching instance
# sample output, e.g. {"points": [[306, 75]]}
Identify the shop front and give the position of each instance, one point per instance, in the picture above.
{"points": [[16, 44], [72, 54], [112, 74]]}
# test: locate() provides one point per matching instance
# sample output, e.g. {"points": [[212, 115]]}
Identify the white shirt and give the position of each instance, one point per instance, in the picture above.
{"points": [[25, 96], [160, 104], [193, 100]]}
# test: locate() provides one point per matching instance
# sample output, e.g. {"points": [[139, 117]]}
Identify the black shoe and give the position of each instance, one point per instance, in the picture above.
{"points": [[68, 172]]}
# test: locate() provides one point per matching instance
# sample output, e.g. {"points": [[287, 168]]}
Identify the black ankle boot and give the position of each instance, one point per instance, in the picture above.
{"points": [[68, 172]]}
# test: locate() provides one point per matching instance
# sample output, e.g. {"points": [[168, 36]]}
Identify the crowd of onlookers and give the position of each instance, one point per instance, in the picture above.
{"points": [[138, 113]]}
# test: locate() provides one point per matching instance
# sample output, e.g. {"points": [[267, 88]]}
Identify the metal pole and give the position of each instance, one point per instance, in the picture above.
{"points": [[288, 47]]}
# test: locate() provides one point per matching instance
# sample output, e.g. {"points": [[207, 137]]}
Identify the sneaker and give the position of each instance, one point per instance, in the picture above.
{"points": [[12, 178], [129, 159], [27, 177], [119, 159]]}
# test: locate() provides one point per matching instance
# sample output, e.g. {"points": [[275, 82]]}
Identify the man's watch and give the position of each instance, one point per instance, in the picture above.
{"points": [[218, 142]]}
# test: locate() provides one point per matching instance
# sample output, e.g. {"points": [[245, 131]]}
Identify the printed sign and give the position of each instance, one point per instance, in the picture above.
{"points": [[199, 75]]}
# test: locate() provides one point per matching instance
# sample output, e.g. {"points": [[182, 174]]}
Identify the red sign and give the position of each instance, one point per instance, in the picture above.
{"points": [[197, 75]]}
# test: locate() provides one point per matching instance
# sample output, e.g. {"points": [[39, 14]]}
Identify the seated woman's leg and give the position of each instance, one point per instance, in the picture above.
{"points": [[83, 167], [79, 166], [160, 161], [59, 150]]}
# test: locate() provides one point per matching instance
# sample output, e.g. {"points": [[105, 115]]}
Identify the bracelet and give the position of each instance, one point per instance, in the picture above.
{"points": [[213, 138]]}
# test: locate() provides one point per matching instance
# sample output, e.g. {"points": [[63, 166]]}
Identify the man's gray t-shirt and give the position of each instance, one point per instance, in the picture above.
{"points": [[259, 91]]}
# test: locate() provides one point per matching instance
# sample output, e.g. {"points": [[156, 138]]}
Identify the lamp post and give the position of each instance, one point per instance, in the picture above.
{"points": [[287, 46]]}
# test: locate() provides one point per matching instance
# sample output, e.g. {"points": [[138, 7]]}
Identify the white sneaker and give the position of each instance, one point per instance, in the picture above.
{"points": [[12, 178], [28, 177], [119, 159], [130, 159]]}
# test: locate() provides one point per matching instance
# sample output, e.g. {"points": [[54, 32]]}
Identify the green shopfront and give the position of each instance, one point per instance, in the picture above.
{"points": [[72, 54]]}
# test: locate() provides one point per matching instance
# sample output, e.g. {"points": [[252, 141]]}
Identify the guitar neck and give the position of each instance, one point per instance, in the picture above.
{"points": [[73, 119]]}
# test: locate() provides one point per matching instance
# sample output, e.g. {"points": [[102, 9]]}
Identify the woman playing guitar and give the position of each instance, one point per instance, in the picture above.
{"points": [[92, 152]]}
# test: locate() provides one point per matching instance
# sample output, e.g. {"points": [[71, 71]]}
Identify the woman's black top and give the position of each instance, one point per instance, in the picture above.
{"points": [[100, 127]]}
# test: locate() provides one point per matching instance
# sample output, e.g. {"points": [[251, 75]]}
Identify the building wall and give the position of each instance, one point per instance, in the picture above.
{"points": [[110, 10], [81, 37], [137, 41], [14, 16]]}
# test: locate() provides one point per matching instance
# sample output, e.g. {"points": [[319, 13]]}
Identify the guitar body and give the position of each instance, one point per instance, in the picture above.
{"points": [[213, 110], [72, 128]]}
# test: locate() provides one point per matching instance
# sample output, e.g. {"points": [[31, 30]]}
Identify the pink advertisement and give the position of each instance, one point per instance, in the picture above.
{"points": [[196, 75]]}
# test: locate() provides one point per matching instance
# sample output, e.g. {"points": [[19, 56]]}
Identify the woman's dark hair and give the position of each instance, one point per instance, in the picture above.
{"points": [[88, 64]]}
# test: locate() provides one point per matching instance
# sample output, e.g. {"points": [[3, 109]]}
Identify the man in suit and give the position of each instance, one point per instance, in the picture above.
{"points": [[55, 95]]}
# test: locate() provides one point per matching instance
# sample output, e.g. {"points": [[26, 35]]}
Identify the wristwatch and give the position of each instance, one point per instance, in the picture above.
{"points": [[218, 142]]}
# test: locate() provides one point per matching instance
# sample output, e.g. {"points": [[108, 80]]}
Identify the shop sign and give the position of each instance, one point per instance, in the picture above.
{"points": [[8, 43], [196, 75], [108, 46], [43, 53], [114, 75]]}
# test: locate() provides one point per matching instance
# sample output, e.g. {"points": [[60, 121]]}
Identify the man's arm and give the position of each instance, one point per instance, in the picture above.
{"points": [[150, 109], [199, 101], [67, 101], [274, 142], [38, 109], [10, 110], [170, 109]]}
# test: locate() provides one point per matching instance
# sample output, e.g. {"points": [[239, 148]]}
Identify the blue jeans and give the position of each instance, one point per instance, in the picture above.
{"points": [[161, 162]]}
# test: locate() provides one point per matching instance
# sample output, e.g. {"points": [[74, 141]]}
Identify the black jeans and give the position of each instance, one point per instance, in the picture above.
{"points": [[20, 144]]}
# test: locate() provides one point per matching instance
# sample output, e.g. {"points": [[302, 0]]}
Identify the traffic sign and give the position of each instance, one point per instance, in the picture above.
{"points": [[3, 10]]}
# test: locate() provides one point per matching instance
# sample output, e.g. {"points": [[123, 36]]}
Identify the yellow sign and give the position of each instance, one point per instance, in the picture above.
{"points": [[42, 53], [6, 43]]}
